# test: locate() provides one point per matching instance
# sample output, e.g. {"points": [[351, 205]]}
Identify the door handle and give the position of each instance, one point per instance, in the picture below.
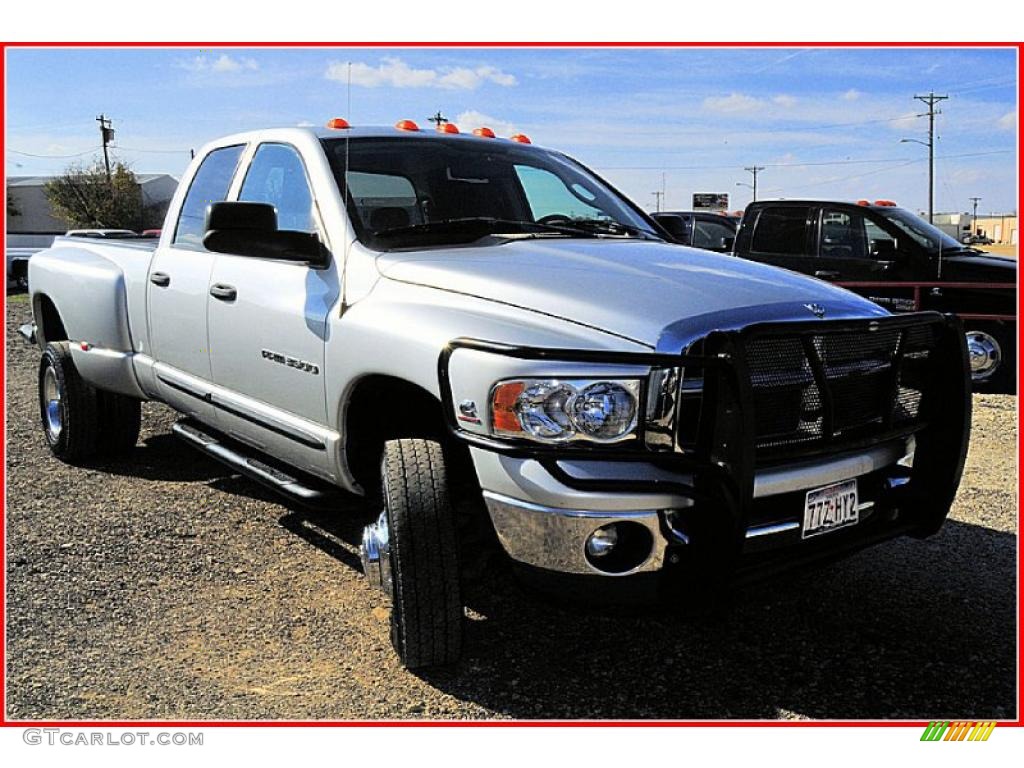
{"points": [[160, 278], [223, 292], [827, 274]]}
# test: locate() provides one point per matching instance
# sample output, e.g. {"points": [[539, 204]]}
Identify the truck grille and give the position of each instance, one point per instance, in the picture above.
{"points": [[815, 392]]}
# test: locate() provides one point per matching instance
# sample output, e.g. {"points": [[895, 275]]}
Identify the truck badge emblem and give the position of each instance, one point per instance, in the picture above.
{"points": [[817, 309], [467, 412], [291, 362]]}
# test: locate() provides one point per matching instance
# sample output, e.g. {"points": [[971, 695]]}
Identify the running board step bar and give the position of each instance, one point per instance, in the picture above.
{"points": [[306, 492]]}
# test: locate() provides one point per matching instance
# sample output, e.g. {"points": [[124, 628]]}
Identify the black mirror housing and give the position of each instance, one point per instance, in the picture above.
{"points": [[256, 217], [883, 249], [250, 229]]}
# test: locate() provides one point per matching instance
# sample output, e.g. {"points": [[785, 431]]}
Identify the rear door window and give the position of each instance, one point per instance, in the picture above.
{"points": [[781, 229], [209, 185]]}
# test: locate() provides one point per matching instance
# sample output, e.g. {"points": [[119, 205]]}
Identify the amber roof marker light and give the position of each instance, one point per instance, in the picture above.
{"points": [[484, 131], [406, 125], [338, 123], [448, 128], [522, 138]]}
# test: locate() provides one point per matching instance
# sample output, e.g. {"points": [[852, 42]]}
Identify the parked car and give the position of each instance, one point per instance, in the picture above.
{"points": [[483, 336], [976, 240], [898, 260], [116, 234], [700, 229]]}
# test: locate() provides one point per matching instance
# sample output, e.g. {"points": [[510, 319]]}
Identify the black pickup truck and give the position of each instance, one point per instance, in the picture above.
{"points": [[900, 261]]}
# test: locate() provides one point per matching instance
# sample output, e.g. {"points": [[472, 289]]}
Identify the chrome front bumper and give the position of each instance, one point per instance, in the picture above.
{"points": [[554, 537]]}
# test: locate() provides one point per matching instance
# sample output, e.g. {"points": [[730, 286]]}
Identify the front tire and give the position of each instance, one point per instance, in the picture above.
{"points": [[426, 610]]}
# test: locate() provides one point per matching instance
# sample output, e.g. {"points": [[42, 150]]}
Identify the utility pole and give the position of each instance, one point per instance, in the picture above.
{"points": [[930, 101], [754, 169], [107, 134], [974, 216], [438, 119], [657, 200]]}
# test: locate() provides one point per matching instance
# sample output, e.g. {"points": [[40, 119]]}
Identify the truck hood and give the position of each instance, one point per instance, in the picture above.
{"points": [[979, 266], [652, 293]]}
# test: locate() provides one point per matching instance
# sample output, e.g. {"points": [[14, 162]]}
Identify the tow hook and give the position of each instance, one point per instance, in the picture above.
{"points": [[375, 553]]}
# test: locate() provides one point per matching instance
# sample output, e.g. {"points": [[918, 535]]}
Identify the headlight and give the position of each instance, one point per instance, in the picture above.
{"points": [[561, 410]]}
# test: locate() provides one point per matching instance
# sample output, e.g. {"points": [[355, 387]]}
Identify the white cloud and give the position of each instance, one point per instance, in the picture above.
{"points": [[1008, 122], [222, 63], [396, 73], [732, 104], [851, 95], [784, 100], [471, 119]]}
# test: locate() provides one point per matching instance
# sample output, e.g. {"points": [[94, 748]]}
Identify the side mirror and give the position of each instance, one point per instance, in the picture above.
{"points": [[884, 250], [250, 229]]}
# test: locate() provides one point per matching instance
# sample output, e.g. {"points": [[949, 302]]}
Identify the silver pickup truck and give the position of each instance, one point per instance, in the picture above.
{"points": [[476, 331]]}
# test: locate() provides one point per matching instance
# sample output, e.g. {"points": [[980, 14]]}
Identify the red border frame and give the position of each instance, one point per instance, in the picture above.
{"points": [[4, 722]]}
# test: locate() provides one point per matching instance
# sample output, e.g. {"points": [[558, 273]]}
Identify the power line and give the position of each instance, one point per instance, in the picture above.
{"points": [[792, 165], [156, 151], [53, 157]]}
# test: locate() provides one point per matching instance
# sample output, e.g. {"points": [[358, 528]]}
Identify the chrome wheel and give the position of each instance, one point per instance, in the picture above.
{"points": [[375, 552], [52, 397], [984, 353]]}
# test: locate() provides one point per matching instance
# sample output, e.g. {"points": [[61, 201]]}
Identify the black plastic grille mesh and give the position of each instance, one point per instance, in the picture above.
{"points": [[837, 387]]}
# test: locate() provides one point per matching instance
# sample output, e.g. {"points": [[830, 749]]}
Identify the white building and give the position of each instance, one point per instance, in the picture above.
{"points": [[36, 218]]}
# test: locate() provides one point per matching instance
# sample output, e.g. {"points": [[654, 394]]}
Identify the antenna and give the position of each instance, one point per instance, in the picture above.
{"points": [[348, 234]]}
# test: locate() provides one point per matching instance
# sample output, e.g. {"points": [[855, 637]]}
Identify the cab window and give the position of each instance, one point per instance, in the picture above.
{"points": [[843, 235], [712, 235], [209, 185], [277, 176], [549, 195], [879, 241], [781, 229], [383, 201]]}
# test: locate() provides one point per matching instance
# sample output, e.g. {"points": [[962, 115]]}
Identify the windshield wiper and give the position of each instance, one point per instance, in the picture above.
{"points": [[470, 225], [597, 227]]}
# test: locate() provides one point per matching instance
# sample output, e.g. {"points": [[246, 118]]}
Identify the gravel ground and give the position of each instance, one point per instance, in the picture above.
{"points": [[163, 587]]}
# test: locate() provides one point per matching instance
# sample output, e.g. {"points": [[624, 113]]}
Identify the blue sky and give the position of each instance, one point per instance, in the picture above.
{"points": [[824, 122]]}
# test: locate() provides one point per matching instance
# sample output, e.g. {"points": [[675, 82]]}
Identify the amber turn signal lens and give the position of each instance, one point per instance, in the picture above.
{"points": [[503, 403]]}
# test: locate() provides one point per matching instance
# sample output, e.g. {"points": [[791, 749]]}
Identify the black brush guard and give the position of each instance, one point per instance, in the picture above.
{"points": [[725, 457]]}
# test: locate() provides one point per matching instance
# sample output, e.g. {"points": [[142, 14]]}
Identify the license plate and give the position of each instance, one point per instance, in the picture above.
{"points": [[830, 508]]}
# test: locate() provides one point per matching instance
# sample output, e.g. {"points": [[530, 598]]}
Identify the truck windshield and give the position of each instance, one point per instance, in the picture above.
{"points": [[929, 237], [408, 192]]}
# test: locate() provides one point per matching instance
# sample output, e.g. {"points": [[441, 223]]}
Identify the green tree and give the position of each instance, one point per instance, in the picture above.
{"points": [[83, 197]]}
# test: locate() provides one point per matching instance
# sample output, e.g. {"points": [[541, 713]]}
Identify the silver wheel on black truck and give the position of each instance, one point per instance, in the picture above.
{"points": [[80, 422], [411, 554]]}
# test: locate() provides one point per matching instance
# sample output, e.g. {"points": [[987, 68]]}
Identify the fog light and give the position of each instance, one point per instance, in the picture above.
{"points": [[602, 541]]}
